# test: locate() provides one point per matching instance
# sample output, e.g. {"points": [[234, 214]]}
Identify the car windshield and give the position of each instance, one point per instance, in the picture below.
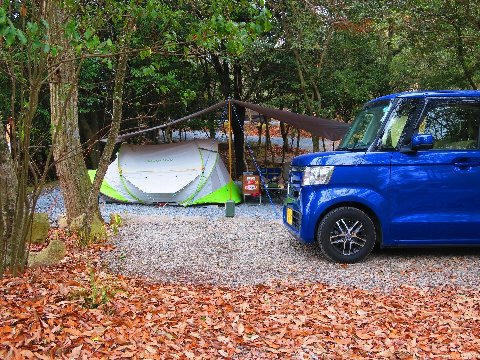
{"points": [[365, 127]]}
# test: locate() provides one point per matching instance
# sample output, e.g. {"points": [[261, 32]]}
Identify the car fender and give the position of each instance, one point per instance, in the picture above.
{"points": [[318, 202]]}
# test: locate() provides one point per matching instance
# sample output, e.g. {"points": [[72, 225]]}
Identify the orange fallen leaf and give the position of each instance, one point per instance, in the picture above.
{"points": [[240, 328], [363, 335]]}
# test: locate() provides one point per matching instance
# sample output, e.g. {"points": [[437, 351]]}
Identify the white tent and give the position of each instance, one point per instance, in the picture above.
{"points": [[185, 173]]}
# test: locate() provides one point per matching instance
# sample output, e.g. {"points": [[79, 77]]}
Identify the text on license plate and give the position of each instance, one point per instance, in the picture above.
{"points": [[289, 216]]}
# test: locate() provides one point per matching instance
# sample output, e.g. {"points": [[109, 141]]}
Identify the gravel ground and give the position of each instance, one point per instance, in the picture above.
{"points": [[253, 250], [51, 202], [198, 244]]}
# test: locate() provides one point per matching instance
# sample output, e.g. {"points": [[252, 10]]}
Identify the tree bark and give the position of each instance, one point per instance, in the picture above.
{"points": [[259, 129], [238, 123], [284, 131], [67, 149], [303, 85], [16, 207], [222, 68], [8, 196], [268, 143], [117, 109]]}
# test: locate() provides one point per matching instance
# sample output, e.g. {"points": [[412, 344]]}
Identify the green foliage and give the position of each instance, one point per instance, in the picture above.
{"points": [[116, 222], [9, 32], [229, 26], [98, 294]]}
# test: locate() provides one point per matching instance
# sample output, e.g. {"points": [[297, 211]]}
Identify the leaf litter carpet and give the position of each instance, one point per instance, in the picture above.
{"points": [[81, 309]]}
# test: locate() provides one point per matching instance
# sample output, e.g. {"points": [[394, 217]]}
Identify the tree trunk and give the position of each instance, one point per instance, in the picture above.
{"points": [[8, 197], [259, 128], [268, 143], [222, 68], [284, 131], [303, 85], [16, 207], [67, 150], [316, 91], [238, 122], [117, 109], [212, 131], [297, 149], [315, 143]]}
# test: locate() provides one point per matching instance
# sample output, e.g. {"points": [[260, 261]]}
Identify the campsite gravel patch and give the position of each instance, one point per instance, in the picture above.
{"points": [[51, 202], [247, 251], [198, 244]]}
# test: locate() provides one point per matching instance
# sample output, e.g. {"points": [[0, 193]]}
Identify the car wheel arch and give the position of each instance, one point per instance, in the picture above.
{"points": [[367, 210]]}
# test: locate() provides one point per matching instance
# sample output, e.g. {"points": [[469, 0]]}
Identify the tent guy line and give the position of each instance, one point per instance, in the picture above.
{"points": [[326, 128]]}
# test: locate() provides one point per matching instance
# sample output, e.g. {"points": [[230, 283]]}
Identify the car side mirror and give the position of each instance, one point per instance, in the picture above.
{"points": [[418, 142], [422, 142]]}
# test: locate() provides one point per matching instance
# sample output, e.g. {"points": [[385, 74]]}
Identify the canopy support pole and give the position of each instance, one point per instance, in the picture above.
{"points": [[230, 204], [230, 144]]}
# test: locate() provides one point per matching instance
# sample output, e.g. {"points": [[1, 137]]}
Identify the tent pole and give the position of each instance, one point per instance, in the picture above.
{"points": [[230, 204], [230, 144]]}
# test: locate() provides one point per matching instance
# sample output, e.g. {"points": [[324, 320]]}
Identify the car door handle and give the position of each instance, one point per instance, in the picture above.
{"points": [[466, 164]]}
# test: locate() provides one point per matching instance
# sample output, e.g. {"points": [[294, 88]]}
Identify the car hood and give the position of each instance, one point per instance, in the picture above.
{"points": [[338, 158]]}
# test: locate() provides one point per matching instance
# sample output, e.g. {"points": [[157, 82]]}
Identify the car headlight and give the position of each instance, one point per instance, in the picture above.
{"points": [[317, 175]]}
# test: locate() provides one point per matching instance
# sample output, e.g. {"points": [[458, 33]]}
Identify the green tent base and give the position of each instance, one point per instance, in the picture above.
{"points": [[220, 195], [106, 189], [186, 173]]}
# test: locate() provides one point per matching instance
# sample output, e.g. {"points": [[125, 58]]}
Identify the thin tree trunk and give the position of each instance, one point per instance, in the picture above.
{"points": [[16, 207], [238, 122], [298, 143], [303, 85], [238, 126], [209, 91], [268, 143], [8, 196], [259, 128], [117, 109], [211, 129], [222, 68], [315, 144], [284, 131]]}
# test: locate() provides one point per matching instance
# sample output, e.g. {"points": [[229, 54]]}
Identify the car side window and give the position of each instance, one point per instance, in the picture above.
{"points": [[455, 125], [404, 113]]}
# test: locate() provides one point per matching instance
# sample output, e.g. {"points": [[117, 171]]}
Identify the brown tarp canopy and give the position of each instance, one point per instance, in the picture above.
{"points": [[329, 129]]}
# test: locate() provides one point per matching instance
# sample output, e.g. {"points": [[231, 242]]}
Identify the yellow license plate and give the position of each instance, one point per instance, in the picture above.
{"points": [[289, 216]]}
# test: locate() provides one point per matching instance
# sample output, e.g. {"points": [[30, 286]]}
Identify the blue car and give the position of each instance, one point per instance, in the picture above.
{"points": [[407, 173]]}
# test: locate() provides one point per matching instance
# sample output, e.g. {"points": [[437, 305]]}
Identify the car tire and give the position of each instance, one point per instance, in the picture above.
{"points": [[346, 235]]}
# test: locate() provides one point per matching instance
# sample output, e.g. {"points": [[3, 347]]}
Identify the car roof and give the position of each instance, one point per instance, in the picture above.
{"points": [[430, 93]]}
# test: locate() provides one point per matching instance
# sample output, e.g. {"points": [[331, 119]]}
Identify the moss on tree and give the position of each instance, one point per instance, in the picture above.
{"points": [[39, 231], [51, 255]]}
